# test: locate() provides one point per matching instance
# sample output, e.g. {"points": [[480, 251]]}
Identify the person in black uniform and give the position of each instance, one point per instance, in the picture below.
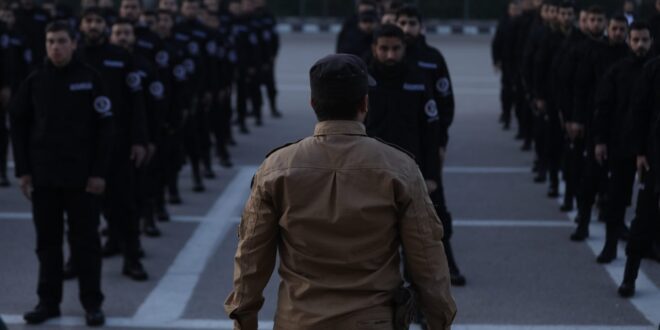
{"points": [[122, 34], [433, 65], [645, 225], [542, 29], [117, 69], [350, 27], [501, 48], [359, 42], [613, 133], [175, 81], [16, 65], [600, 54], [564, 72], [271, 47], [31, 21], [62, 133], [402, 106], [522, 27]]}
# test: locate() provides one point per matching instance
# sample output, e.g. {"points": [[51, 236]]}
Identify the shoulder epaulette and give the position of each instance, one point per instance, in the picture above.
{"points": [[282, 147]]}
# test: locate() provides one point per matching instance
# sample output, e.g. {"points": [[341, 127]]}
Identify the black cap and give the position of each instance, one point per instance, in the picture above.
{"points": [[339, 76]]}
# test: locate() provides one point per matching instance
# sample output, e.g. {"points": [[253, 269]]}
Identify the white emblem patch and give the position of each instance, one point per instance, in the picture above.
{"points": [[4, 41], [253, 39], [27, 56], [442, 85], [233, 57], [133, 80], [189, 65], [431, 109], [179, 72], [163, 58], [211, 47], [157, 89], [82, 86], [193, 48], [103, 106]]}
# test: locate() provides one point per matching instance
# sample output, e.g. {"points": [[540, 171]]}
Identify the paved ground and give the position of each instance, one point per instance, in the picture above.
{"points": [[511, 241]]}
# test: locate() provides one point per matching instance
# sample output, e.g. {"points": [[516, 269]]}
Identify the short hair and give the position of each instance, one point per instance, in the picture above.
{"points": [[336, 109], [640, 26], [395, 5], [93, 11], [138, 1], [61, 26], [191, 1], [149, 12], [567, 5], [596, 10], [619, 18], [388, 31], [165, 12], [409, 11]]}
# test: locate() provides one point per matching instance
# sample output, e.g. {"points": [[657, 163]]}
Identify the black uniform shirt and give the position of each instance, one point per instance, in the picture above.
{"points": [[62, 127], [403, 111]]}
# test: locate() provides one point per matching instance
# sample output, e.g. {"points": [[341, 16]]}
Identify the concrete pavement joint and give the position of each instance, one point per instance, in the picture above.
{"points": [[167, 302]]}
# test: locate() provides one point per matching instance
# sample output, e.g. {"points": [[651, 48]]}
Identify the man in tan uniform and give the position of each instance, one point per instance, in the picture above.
{"points": [[338, 206]]}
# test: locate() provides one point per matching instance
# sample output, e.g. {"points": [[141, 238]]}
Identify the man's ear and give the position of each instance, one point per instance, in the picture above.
{"points": [[364, 104], [312, 103]]}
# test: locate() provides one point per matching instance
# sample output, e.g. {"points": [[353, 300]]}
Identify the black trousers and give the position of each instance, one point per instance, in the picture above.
{"points": [[619, 188], [507, 94], [645, 225], [572, 166], [49, 205], [192, 136], [248, 88], [523, 111], [268, 79], [593, 178], [120, 207]]}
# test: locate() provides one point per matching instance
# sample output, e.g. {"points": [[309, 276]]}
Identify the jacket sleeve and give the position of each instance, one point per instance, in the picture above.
{"points": [[497, 45], [430, 157], [581, 84], [255, 258], [21, 113], [105, 133], [541, 69], [444, 97], [421, 236], [139, 128], [605, 103], [642, 111]]}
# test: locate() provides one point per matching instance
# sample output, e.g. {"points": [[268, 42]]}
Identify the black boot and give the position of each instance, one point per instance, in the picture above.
{"points": [[110, 249], [567, 205], [582, 231], [527, 146], [624, 233], [609, 250], [456, 278], [94, 318], [41, 314], [150, 229], [627, 288], [4, 182], [553, 191], [134, 270], [161, 212]]}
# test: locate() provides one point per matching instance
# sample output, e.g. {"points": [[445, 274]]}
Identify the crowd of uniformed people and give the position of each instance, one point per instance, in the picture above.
{"points": [[106, 106], [584, 87]]}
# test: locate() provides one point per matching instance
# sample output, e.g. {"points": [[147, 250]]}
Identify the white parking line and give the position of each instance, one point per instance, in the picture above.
{"points": [[647, 296], [69, 321], [167, 302]]}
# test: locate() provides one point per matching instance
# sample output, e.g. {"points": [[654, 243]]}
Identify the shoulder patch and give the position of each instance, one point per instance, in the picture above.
{"points": [[395, 147], [443, 86], [282, 147]]}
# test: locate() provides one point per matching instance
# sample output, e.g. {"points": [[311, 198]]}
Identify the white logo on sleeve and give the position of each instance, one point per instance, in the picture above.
{"points": [[157, 89], [442, 85], [189, 65], [133, 81], [193, 48], [162, 58], [431, 110], [103, 106], [179, 72], [211, 47]]}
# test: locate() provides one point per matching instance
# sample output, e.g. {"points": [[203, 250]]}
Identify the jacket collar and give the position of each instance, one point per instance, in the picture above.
{"points": [[340, 127]]}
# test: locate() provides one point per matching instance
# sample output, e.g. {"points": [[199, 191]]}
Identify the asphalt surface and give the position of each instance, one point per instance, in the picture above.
{"points": [[510, 240]]}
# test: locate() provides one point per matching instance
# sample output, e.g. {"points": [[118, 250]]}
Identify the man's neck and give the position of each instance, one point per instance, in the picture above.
{"points": [[94, 42]]}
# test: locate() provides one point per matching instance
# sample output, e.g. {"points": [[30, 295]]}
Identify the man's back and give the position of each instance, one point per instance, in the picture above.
{"points": [[340, 204]]}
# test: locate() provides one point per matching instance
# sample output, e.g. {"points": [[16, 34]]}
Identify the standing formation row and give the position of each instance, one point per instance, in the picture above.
{"points": [[106, 108], [585, 96]]}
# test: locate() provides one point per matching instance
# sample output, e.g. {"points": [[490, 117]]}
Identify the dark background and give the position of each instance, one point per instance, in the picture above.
{"points": [[433, 9]]}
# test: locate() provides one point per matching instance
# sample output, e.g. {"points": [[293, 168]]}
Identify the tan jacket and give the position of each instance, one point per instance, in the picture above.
{"points": [[338, 206]]}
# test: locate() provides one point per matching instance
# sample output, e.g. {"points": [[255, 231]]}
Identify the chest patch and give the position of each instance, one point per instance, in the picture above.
{"points": [[114, 64], [431, 110], [427, 65], [81, 86], [157, 89], [133, 80], [103, 106], [443, 86], [162, 58], [414, 87]]}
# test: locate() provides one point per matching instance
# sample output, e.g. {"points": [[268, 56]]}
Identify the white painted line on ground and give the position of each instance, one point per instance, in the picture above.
{"points": [[69, 321], [647, 296], [167, 302], [23, 216], [511, 223], [485, 170]]}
